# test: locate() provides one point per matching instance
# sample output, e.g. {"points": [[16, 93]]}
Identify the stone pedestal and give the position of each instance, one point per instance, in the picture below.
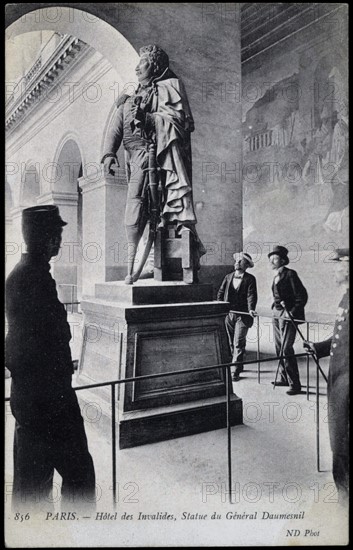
{"points": [[154, 327]]}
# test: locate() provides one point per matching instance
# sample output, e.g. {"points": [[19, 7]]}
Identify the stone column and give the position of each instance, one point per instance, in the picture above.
{"points": [[104, 246], [14, 243], [64, 266]]}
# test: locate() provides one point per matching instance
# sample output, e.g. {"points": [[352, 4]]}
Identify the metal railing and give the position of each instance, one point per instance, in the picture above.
{"points": [[72, 300], [260, 140], [70, 307], [224, 366], [258, 350], [260, 360]]}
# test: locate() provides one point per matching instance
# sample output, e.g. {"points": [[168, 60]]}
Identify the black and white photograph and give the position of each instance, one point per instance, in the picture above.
{"points": [[176, 275]]}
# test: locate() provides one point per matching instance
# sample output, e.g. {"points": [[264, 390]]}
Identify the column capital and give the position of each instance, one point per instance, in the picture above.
{"points": [[59, 198], [88, 184], [16, 212]]}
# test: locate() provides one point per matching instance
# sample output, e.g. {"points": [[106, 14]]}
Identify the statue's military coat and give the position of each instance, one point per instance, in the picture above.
{"points": [[168, 121]]}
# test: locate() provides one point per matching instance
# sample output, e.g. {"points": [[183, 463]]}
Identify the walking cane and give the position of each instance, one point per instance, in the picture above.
{"points": [[304, 340], [317, 391], [281, 353]]}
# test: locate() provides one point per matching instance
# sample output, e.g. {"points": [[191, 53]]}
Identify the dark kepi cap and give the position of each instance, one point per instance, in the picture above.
{"points": [[46, 216], [281, 251], [340, 255]]}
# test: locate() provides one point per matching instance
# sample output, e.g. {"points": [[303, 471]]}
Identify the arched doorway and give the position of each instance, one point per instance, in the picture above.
{"points": [[8, 219], [8, 197], [96, 35], [92, 30], [66, 194], [30, 186]]}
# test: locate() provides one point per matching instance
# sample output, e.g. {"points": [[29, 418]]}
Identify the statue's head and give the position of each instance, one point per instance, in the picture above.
{"points": [[153, 62]]}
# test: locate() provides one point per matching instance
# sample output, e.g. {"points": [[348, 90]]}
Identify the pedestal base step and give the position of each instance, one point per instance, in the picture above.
{"points": [[149, 291], [162, 423]]}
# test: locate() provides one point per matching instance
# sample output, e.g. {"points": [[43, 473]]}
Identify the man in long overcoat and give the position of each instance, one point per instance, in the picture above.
{"points": [[289, 297], [338, 379]]}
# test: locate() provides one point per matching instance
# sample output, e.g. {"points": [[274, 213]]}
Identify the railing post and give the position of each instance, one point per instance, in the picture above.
{"points": [[307, 364], [113, 383], [229, 434], [113, 443], [317, 421], [258, 348]]}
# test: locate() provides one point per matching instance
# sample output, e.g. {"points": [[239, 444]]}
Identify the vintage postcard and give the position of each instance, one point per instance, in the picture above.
{"points": [[177, 260]]}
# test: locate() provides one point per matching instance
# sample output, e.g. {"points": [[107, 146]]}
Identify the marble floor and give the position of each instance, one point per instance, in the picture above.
{"points": [[274, 471]]}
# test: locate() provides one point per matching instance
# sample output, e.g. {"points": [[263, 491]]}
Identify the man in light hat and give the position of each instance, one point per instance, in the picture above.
{"points": [[289, 295], [338, 379], [239, 289], [49, 431]]}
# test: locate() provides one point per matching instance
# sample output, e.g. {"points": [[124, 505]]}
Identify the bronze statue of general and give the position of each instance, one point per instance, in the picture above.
{"points": [[154, 125]]}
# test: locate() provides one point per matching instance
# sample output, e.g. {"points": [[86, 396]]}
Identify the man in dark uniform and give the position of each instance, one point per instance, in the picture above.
{"points": [[49, 431], [289, 295], [239, 288], [338, 379]]}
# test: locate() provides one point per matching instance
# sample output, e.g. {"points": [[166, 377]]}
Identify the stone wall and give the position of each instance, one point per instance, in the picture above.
{"points": [[211, 71], [295, 143], [292, 189]]}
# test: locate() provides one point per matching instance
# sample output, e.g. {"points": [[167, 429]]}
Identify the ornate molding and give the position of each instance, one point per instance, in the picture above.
{"points": [[16, 212], [88, 184], [49, 112], [41, 77], [58, 197]]}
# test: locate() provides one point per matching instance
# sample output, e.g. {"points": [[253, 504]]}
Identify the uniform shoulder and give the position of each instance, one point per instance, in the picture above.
{"points": [[20, 270], [171, 87], [345, 300], [121, 100], [172, 81], [18, 280], [26, 274]]}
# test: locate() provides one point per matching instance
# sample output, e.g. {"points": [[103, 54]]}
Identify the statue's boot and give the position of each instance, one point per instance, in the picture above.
{"points": [[134, 235]]}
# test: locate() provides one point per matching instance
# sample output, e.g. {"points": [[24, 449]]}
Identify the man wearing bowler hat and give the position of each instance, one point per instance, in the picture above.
{"points": [[49, 430], [239, 288], [338, 378], [289, 297]]}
